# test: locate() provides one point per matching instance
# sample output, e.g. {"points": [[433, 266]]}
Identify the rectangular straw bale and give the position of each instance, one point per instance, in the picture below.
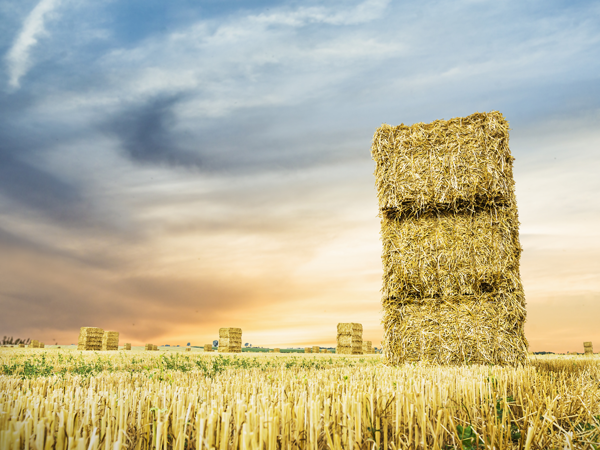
{"points": [[307, 350], [316, 349], [149, 347], [110, 340], [90, 338], [208, 347], [452, 291], [128, 346], [188, 349], [367, 347], [230, 340], [155, 348], [588, 349], [276, 350], [450, 165]]}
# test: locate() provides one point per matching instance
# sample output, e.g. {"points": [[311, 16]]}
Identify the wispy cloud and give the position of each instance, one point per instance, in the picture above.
{"points": [[18, 57]]}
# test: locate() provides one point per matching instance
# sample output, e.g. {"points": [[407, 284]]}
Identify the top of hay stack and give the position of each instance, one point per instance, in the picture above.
{"points": [[447, 165]]}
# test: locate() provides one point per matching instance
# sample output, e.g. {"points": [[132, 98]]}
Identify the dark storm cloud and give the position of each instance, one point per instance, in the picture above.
{"points": [[146, 133]]}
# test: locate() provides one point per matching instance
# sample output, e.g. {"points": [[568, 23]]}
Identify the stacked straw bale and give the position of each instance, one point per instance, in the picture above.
{"points": [[34, 344], [588, 349], [127, 346], [208, 347], [21, 345], [110, 340], [276, 350], [316, 349], [155, 348], [452, 290], [367, 347], [307, 350], [349, 339], [230, 340], [149, 347], [41, 345], [188, 349], [90, 338]]}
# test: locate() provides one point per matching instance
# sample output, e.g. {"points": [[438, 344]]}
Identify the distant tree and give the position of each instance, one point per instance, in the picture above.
{"points": [[246, 344], [189, 344], [215, 343]]}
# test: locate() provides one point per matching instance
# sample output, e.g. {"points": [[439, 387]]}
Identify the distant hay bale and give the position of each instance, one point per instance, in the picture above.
{"points": [[208, 347], [155, 348], [452, 290], [41, 345], [149, 347], [349, 338], [588, 349], [316, 349], [367, 347], [276, 350], [127, 346], [307, 350], [188, 349], [230, 340], [34, 344], [21, 345], [90, 338], [110, 340]]}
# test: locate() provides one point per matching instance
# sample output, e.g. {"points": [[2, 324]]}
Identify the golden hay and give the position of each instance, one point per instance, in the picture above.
{"points": [[276, 350], [316, 349], [449, 226], [367, 347], [110, 340], [90, 338], [127, 346], [349, 338], [208, 347], [230, 340], [307, 350], [588, 349]]}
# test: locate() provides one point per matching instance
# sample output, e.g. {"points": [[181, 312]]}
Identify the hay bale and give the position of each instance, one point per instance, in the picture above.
{"points": [[307, 350], [349, 338], [34, 344], [110, 340], [316, 349], [188, 349], [452, 291], [21, 345], [90, 338], [230, 340], [208, 347], [127, 346], [367, 347], [41, 345], [276, 350], [149, 347], [588, 349], [155, 348]]}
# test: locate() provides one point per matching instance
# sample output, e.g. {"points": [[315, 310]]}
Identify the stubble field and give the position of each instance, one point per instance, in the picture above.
{"points": [[64, 399]]}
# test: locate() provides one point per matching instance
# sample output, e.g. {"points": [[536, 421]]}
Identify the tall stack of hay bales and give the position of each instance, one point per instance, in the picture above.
{"points": [[307, 350], [127, 346], [316, 349], [34, 344], [452, 291], [230, 340], [349, 339], [90, 338], [110, 340], [588, 349], [367, 347], [149, 347], [208, 347]]}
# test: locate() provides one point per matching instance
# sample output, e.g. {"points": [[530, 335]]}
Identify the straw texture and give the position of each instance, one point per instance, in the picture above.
{"points": [[367, 347], [588, 349], [90, 338], [127, 346], [230, 340], [307, 350], [451, 291], [316, 349], [208, 347], [110, 340], [349, 339]]}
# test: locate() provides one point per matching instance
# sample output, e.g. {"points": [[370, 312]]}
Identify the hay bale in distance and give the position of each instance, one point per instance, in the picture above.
{"points": [[452, 290], [349, 338], [188, 349], [21, 345], [110, 340], [307, 350], [127, 346], [588, 349], [230, 340], [367, 347], [208, 347], [149, 347], [155, 348], [276, 350], [90, 338], [316, 349]]}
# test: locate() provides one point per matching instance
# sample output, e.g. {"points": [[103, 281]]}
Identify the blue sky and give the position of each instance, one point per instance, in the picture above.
{"points": [[169, 167]]}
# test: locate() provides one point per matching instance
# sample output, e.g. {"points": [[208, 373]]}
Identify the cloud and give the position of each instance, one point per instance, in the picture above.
{"points": [[18, 57]]}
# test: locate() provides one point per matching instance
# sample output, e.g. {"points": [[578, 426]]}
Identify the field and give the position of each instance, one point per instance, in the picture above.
{"points": [[70, 400]]}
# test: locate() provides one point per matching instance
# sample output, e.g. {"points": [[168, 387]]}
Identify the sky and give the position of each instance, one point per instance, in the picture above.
{"points": [[170, 168]]}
